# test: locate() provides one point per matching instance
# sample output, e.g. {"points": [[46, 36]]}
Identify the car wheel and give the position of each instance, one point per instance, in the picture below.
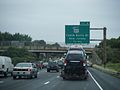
{"points": [[48, 70], [57, 70], [14, 77], [11, 73], [36, 76], [5, 74], [31, 76], [64, 78]]}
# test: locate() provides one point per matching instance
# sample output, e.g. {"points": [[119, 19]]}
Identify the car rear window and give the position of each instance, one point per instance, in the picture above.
{"points": [[23, 65], [76, 49], [52, 63], [75, 57]]}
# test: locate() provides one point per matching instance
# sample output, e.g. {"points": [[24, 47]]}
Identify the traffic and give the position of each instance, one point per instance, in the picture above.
{"points": [[71, 72], [74, 63]]}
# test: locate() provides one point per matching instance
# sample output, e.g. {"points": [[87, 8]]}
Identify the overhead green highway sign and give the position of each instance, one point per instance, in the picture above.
{"points": [[77, 34]]}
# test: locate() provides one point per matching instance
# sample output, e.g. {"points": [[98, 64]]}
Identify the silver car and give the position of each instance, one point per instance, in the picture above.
{"points": [[28, 70]]}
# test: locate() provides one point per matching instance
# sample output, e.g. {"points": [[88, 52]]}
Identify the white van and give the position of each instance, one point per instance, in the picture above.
{"points": [[6, 65]]}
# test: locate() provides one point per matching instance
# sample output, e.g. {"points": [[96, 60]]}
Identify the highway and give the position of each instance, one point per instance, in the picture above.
{"points": [[52, 81]]}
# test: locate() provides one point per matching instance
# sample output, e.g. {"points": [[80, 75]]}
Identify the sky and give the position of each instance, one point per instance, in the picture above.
{"points": [[46, 19]]}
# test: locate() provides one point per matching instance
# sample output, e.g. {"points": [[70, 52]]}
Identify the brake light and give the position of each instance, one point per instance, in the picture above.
{"points": [[3, 66], [65, 62]]}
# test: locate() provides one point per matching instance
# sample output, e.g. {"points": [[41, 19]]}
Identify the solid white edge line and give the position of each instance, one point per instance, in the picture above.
{"points": [[47, 82], [95, 81]]}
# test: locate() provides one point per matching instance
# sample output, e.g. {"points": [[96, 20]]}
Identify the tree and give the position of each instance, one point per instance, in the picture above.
{"points": [[113, 50], [6, 36], [19, 54], [56, 45], [39, 42]]}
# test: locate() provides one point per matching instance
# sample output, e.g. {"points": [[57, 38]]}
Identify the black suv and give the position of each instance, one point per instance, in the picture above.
{"points": [[52, 66], [75, 65]]}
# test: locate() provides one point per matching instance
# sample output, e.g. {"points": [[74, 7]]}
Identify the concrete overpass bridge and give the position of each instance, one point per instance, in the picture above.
{"points": [[47, 51]]}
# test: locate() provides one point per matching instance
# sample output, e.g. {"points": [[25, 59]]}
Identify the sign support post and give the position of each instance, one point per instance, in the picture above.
{"points": [[104, 43]]}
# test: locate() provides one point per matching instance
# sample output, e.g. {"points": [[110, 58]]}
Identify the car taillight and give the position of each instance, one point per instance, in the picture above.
{"points": [[3, 66], [65, 62], [29, 69], [82, 62]]}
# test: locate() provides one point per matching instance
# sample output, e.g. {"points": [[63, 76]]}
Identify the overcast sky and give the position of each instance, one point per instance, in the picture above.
{"points": [[46, 19]]}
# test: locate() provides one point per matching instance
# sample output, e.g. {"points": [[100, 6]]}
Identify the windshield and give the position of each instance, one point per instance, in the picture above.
{"points": [[23, 65], [75, 57], [52, 63]]}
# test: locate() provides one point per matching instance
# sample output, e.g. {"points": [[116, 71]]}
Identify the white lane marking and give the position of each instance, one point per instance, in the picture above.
{"points": [[95, 81], [47, 82], [1, 81], [58, 76], [38, 73]]}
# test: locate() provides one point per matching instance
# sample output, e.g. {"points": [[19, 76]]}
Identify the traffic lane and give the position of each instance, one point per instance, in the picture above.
{"points": [[9, 83], [107, 82], [60, 84], [57, 83], [48, 81]]}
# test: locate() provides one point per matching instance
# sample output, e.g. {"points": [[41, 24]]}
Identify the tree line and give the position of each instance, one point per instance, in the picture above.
{"points": [[113, 50], [6, 36], [7, 39], [21, 54]]}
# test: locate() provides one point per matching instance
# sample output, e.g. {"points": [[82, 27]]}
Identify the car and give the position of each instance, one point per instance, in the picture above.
{"points": [[25, 69], [39, 64], [6, 66], [45, 64], [89, 64], [60, 63], [52, 65], [74, 66]]}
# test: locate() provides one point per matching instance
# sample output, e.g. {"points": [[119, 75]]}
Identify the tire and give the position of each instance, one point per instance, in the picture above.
{"points": [[11, 73], [5, 74], [57, 70], [31, 76], [36, 76], [64, 78], [48, 70], [14, 77]]}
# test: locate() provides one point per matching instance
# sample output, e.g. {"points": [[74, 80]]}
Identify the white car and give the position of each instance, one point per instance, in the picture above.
{"points": [[28, 70]]}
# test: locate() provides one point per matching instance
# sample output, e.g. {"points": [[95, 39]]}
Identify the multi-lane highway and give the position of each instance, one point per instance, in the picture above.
{"points": [[52, 81]]}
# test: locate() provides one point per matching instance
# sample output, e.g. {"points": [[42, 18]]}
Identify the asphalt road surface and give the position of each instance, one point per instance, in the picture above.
{"points": [[52, 81]]}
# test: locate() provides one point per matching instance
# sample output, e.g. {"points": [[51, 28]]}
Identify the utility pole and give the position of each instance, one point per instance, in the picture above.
{"points": [[104, 46]]}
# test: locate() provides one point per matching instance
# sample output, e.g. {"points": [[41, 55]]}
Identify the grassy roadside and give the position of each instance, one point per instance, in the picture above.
{"points": [[112, 69]]}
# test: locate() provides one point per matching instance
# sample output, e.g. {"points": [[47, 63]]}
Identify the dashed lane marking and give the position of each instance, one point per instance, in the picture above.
{"points": [[47, 82], [58, 76]]}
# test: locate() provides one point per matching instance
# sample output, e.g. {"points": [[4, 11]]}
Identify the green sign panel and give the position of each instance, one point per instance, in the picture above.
{"points": [[77, 34]]}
